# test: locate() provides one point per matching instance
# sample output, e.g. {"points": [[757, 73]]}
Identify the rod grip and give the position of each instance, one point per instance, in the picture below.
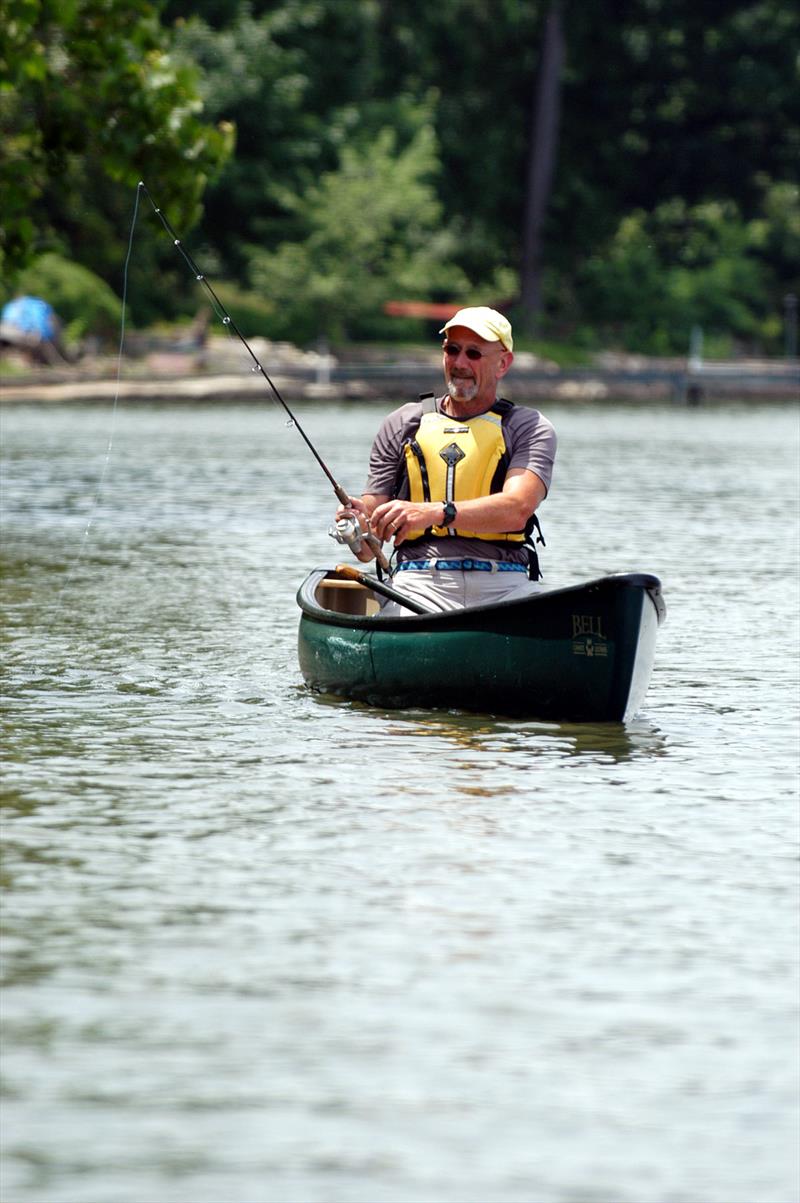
{"points": [[371, 582], [348, 572]]}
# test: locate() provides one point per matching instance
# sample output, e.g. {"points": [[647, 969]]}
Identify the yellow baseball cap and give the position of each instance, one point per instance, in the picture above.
{"points": [[487, 323]]}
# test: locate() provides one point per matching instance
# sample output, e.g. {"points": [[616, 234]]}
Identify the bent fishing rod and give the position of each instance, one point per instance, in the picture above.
{"points": [[347, 529]]}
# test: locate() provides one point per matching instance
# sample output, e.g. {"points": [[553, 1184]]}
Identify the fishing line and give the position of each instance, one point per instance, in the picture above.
{"points": [[115, 406], [231, 326], [232, 329]]}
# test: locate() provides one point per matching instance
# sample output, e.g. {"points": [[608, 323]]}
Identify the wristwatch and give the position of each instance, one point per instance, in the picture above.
{"points": [[449, 516]]}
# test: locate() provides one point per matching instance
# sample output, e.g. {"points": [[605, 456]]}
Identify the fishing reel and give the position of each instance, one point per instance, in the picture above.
{"points": [[348, 531]]}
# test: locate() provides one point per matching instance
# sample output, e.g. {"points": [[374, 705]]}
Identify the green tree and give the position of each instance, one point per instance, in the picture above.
{"points": [[252, 79], [702, 265], [659, 98], [83, 302], [373, 232], [300, 80], [696, 100], [693, 99], [689, 98], [91, 101]]}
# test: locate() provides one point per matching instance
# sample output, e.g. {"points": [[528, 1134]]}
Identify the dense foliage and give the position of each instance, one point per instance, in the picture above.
{"points": [[85, 304], [91, 99], [383, 151]]}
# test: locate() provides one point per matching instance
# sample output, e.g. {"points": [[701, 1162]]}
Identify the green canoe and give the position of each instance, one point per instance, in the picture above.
{"points": [[581, 654]]}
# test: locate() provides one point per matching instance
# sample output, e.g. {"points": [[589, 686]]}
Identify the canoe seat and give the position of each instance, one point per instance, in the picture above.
{"points": [[346, 597]]}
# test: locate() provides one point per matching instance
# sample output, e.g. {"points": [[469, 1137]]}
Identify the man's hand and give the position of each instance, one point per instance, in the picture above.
{"points": [[507, 510], [355, 506], [396, 519], [359, 511]]}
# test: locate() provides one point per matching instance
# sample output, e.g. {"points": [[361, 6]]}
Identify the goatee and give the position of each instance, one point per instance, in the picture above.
{"points": [[462, 390]]}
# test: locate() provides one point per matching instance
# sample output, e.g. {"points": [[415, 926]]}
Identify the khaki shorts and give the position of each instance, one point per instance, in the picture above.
{"points": [[449, 589]]}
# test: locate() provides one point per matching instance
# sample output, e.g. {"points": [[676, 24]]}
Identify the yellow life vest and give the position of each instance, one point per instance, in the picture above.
{"points": [[455, 459]]}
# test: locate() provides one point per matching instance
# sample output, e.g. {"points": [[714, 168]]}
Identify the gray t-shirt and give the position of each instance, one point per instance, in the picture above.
{"points": [[530, 441]]}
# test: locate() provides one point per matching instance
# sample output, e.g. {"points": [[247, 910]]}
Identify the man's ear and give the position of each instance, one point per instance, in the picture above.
{"points": [[504, 363]]}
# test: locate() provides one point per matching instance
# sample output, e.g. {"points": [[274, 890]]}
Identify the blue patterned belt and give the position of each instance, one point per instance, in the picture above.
{"points": [[461, 566]]}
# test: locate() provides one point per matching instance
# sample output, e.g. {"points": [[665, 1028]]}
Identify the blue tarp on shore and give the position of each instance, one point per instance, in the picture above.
{"points": [[32, 316]]}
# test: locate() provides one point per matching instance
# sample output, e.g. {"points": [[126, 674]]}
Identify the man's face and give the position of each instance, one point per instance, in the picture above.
{"points": [[472, 382]]}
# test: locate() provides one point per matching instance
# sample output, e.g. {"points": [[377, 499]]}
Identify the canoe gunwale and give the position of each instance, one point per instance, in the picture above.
{"points": [[458, 619]]}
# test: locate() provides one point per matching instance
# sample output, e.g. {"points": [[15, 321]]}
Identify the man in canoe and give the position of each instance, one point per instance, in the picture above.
{"points": [[454, 481]]}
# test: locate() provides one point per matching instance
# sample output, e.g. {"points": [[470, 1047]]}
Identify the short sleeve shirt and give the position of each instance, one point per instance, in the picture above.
{"points": [[530, 441]]}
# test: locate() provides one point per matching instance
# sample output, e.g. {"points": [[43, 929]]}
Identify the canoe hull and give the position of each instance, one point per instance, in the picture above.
{"points": [[584, 653]]}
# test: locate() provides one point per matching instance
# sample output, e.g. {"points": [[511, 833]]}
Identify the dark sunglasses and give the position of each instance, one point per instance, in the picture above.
{"points": [[455, 349]]}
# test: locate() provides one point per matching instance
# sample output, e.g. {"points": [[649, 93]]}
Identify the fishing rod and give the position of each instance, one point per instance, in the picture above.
{"points": [[222, 313], [371, 582]]}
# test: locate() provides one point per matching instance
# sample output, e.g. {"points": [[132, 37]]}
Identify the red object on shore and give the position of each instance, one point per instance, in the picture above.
{"points": [[420, 309]]}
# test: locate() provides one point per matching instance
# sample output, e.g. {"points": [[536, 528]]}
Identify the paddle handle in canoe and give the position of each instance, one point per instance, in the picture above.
{"points": [[372, 582]]}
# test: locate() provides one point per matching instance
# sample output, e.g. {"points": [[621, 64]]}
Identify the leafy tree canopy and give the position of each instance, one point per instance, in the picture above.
{"points": [[91, 100], [83, 301], [664, 107], [702, 265], [372, 232]]}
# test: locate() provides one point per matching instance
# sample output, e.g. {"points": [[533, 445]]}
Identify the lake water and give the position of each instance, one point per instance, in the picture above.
{"points": [[261, 946]]}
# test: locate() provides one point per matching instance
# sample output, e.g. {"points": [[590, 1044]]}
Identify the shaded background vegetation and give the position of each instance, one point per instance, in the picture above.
{"points": [[326, 156]]}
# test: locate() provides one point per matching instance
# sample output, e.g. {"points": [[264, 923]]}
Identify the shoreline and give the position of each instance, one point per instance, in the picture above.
{"points": [[386, 382]]}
